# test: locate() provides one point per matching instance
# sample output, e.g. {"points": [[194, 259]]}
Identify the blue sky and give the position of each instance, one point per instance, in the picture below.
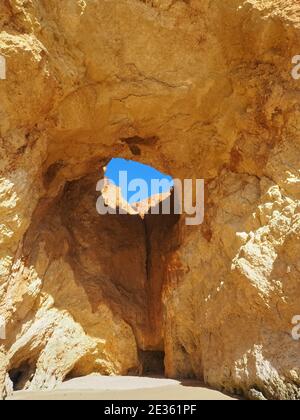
{"points": [[136, 170]]}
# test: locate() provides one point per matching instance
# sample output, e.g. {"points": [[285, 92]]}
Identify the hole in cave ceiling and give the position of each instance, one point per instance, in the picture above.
{"points": [[140, 186]]}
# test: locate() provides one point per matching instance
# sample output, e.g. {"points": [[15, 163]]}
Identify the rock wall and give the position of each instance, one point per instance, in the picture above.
{"points": [[201, 89]]}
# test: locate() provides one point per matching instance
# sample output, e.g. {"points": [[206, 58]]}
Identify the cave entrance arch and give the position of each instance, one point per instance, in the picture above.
{"points": [[103, 275]]}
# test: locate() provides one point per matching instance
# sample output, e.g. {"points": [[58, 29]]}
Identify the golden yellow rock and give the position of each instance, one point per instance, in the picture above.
{"points": [[197, 89]]}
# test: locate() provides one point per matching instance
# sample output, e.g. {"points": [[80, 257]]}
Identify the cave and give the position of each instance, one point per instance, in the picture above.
{"points": [[21, 376], [152, 363], [114, 260], [201, 90]]}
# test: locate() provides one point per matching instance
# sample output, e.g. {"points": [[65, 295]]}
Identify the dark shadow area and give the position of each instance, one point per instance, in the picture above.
{"points": [[22, 375], [152, 362]]}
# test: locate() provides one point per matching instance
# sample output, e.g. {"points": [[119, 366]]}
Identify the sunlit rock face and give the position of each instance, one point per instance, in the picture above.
{"points": [[196, 89]]}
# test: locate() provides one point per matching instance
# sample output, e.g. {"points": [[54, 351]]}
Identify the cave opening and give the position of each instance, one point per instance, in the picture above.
{"points": [[22, 375], [134, 188], [107, 273], [152, 363]]}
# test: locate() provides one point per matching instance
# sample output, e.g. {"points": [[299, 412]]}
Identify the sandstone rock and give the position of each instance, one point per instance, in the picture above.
{"points": [[198, 89]]}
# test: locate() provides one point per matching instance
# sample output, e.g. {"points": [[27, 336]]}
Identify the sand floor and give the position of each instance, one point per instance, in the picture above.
{"points": [[95, 387]]}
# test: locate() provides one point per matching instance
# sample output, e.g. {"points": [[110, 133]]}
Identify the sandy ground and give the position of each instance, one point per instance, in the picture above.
{"points": [[95, 387]]}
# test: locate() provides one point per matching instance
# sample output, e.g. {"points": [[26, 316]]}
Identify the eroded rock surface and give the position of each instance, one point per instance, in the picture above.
{"points": [[198, 89]]}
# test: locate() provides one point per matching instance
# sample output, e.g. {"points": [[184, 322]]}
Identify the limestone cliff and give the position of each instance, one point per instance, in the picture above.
{"points": [[198, 89]]}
